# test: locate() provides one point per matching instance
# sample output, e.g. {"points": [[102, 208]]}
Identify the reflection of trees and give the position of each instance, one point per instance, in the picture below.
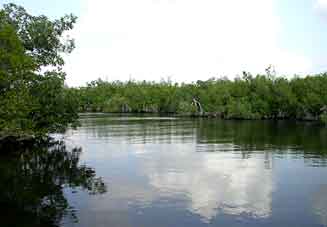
{"points": [[263, 135], [32, 182], [246, 136]]}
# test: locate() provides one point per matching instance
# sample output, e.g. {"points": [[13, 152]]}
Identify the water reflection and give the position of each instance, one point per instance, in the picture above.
{"points": [[245, 135], [320, 204], [214, 183], [32, 180], [202, 172], [301, 140]]}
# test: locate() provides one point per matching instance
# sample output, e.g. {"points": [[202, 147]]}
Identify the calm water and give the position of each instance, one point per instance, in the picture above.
{"points": [[172, 172]]}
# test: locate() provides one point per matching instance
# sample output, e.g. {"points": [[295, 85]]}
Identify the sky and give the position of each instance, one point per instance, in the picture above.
{"points": [[189, 40]]}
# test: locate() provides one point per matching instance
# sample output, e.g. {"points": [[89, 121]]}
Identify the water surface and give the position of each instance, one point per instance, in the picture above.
{"points": [[151, 171], [163, 171]]}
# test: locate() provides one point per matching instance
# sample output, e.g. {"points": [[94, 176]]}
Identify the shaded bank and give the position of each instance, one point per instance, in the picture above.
{"points": [[33, 179], [247, 97]]}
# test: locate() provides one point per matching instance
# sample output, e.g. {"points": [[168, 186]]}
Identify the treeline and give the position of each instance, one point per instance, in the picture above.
{"points": [[33, 99], [247, 97]]}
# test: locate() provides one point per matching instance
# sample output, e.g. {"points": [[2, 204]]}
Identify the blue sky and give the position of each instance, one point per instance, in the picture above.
{"points": [[190, 40], [50, 8], [304, 30]]}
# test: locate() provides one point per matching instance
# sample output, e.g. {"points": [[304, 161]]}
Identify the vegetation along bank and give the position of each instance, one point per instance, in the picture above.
{"points": [[247, 97], [34, 100]]}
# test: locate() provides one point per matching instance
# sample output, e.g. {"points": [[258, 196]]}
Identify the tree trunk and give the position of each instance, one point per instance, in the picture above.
{"points": [[199, 106]]}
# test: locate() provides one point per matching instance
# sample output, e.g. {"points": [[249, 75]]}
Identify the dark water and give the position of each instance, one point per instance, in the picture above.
{"points": [[171, 172]]}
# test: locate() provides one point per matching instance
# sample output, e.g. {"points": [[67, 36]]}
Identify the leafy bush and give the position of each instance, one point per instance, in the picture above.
{"points": [[116, 104], [186, 108]]}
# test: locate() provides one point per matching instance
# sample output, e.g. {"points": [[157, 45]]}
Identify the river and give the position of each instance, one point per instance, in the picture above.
{"points": [[174, 172]]}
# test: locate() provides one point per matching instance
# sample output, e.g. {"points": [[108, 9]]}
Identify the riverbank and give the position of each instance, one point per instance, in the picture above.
{"points": [[9, 141], [246, 97], [210, 115], [12, 140]]}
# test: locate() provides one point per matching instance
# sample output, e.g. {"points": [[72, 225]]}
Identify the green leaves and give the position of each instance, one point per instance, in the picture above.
{"points": [[249, 97], [32, 102], [41, 37]]}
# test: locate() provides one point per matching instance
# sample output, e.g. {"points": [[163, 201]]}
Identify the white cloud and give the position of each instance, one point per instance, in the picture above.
{"points": [[321, 8], [184, 39], [321, 4]]}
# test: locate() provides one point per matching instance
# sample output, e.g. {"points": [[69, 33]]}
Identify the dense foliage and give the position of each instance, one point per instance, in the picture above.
{"points": [[33, 99], [248, 97]]}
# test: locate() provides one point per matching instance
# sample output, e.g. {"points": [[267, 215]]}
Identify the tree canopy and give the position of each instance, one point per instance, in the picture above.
{"points": [[33, 97], [247, 97]]}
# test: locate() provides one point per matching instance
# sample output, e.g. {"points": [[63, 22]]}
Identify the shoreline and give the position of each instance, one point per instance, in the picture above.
{"points": [[210, 115], [11, 140]]}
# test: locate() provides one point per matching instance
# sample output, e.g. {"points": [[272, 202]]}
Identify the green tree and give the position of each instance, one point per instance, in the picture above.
{"points": [[33, 98]]}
